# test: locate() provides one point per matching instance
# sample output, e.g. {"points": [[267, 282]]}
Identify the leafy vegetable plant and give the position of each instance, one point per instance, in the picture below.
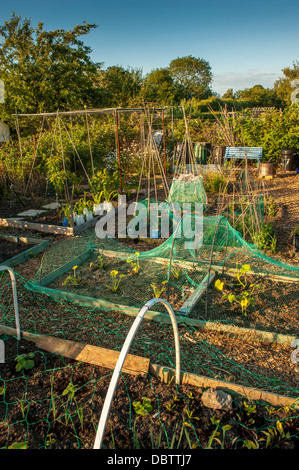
{"points": [[144, 407], [25, 361], [246, 296], [115, 280], [158, 290], [134, 263]]}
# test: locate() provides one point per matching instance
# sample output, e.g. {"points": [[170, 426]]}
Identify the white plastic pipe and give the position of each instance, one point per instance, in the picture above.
{"points": [[122, 357], [15, 298]]}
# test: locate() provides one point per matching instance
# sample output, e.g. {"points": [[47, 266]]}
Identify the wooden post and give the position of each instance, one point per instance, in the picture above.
{"points": [[118, 151]]}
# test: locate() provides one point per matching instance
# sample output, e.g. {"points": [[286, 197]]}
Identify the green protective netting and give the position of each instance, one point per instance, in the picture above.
{"points": [[119, 274], [187, 188], [57, 402]]}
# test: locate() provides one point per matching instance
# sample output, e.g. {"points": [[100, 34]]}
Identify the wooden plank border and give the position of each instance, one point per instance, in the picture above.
{"points": [[39, 247], [46, 280], [138, 365], [134, 365], [166, 375], [56, 229]]}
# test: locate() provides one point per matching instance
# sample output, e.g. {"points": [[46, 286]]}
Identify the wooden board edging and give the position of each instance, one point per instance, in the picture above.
{"points": [[77, 261], [107, 358], [21, 257], [166, 374], [56, 229], [137, 365]]}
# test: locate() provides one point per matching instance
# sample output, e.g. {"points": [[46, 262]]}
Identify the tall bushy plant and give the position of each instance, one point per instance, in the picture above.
{"points": [[273, 131]]}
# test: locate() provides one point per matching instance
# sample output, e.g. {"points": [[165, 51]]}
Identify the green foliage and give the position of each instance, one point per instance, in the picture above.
{"points": [[143, 408], [61, 169], [158, 290], [45, 70], [120, 87], [193, 74], [283, 87], [244, 295], [105, 183], [214, 182], [72, 279], [265, 239], [25, 361], [159, 88], [273, 131], [260, 96], [115, 281]]}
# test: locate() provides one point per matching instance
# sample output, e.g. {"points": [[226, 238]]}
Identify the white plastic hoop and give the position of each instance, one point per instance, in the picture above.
{"points": [[121, 359], [15, 298]]}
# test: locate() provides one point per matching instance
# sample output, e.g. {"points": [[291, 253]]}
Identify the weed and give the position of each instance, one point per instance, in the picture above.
{"points": [[275, 435], [250, 409], [175, 270], [19, 445], [50, 440], [69, 392]]}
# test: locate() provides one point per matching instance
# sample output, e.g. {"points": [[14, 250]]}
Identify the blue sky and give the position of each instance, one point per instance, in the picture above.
{"points": [[246, 43]]}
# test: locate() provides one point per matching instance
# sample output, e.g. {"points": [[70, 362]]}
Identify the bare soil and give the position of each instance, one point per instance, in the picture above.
{"points": [[57, 403], [9, 249]]}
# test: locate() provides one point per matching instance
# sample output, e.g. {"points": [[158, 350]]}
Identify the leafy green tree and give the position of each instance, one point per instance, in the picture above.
{"points": [[283, 86], [120, 86], [260, 96], [46, 70], [193, 74], [159, 88], [229, 94]]}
